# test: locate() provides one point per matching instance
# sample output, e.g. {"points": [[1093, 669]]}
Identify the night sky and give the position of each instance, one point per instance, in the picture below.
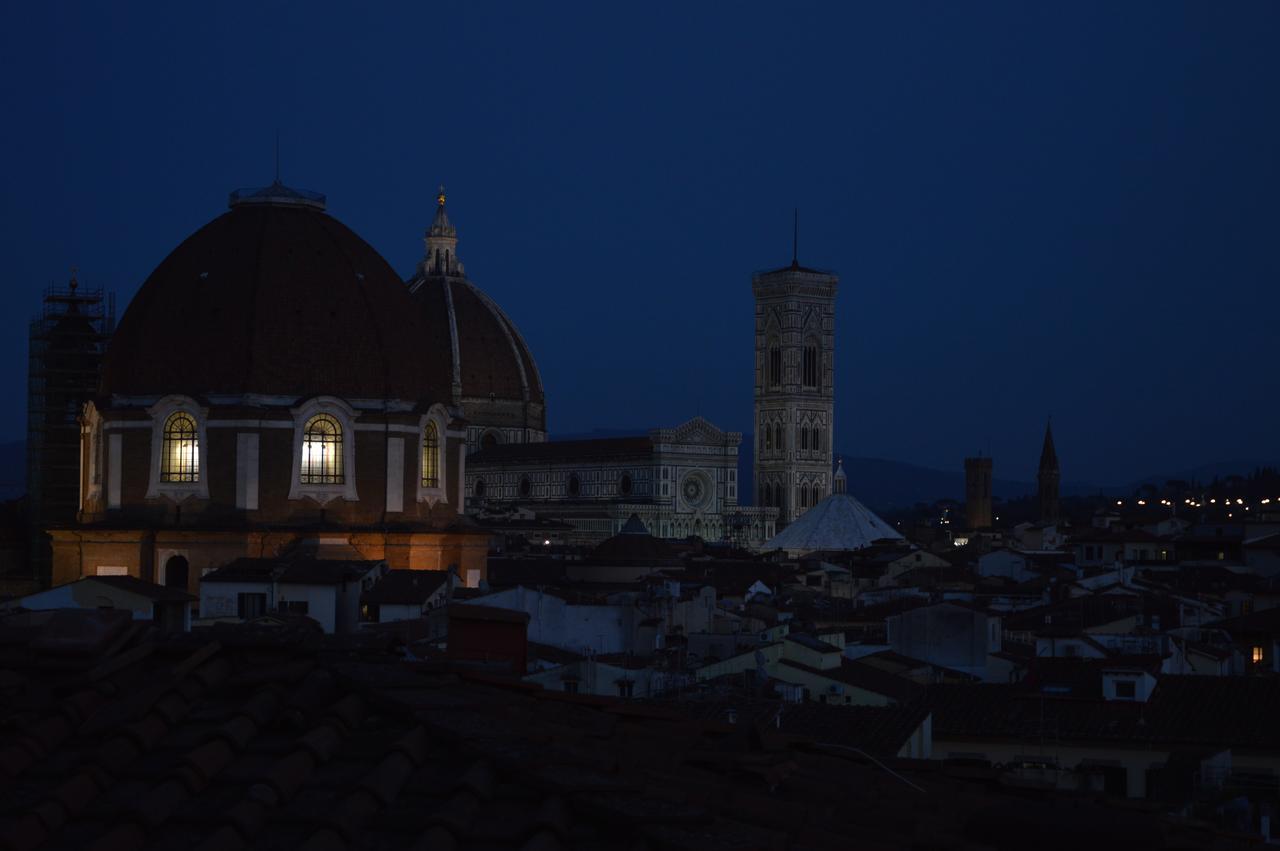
{"points": [[1071, 210]]}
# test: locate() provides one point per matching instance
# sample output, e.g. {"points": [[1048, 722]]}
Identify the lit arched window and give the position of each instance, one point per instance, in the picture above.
{"points": [[180, 454], [322, 451], [431, 456], [810, 365], [775, 363]]}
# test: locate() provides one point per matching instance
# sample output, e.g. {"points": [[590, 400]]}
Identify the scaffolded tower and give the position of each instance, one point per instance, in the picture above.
{"points": [[67, 342]]}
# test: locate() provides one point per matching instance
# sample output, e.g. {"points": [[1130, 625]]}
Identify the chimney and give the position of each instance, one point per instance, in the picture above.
{"points": [[488, 639]]}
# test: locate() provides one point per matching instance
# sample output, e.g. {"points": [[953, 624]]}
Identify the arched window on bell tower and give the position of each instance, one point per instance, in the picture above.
{"points": [[775, 362], [811, 376]]}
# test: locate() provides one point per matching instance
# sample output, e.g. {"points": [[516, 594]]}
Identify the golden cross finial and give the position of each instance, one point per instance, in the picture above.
{"points": [[440, 196]]}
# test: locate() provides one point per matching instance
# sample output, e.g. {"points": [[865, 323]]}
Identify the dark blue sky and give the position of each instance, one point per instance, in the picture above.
{"points": [[1072, 210]]}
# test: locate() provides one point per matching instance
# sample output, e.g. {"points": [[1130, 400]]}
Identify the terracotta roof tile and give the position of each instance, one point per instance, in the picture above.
{"points": [[355, 747]]}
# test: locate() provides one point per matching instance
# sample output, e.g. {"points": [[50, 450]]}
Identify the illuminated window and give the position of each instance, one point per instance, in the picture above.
{"points": [[431, 456], [180, 455], [322, 451], [1257, 655]]}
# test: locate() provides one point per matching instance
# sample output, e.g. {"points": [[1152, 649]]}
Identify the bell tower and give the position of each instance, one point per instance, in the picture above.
{"points": [[794, 387], [1048, 479]]}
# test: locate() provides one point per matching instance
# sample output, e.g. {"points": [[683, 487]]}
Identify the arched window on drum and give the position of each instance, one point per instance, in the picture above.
{"points": [[431, 455], [180, 453], [322, 462]]}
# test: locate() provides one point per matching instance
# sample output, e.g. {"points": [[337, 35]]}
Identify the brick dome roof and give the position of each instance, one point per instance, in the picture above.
{"points": [[491, 360], [276, 297]]}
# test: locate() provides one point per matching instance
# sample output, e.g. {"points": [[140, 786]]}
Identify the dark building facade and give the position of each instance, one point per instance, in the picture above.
{"points": [[66, 345], [977, 492]]}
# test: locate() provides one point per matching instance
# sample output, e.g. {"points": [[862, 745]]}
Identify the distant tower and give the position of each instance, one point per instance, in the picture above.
{"points": [[66, 344], [794, 387], [1048, 479], [977, 492]]}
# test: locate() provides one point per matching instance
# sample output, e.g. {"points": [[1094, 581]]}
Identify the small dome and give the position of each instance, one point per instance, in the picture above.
{"points": [[278, 298], [838, 522], [634, 545]]}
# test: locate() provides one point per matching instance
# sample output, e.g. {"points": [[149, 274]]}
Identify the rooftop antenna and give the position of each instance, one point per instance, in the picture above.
{"points": [[795, 237]]}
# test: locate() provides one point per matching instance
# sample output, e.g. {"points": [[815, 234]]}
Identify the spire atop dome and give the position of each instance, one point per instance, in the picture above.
{"points": [[442, 243], [840, 483], [795, 238]]}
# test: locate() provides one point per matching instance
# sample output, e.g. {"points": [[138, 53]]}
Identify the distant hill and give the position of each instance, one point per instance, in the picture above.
{"points": [[1204, 474], [886, 485]]}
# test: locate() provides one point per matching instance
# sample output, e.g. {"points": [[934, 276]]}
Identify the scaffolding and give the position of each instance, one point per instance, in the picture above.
{"points": [[66, 343]]}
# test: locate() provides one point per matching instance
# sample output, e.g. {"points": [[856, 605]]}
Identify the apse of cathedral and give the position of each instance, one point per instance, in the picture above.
{"points": [[274, 386]]}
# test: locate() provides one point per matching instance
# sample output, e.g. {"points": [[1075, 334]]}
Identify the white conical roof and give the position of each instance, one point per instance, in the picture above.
{"points": [[839, 522]]}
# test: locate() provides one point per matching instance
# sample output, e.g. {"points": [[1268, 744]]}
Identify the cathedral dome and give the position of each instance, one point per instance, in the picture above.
{"points": [[275, 297], [493, 360], [494, 376]]}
